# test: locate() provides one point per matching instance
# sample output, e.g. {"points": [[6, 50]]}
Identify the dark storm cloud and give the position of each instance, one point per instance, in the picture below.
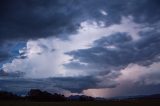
{"points": [[21, 86], [3, 56], [136, 89], [140, 10], [115, 39], [75, 84], [10, 50], [29, 19], [144, 51], [72, 84], [36, 18], [42, 18]]}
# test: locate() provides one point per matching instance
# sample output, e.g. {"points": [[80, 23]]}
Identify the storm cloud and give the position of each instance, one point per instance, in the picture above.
{"points": [[42, 18], [96, 48]]}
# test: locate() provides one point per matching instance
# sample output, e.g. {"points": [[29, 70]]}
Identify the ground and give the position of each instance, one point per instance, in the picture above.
{"points": [[93, 103]]}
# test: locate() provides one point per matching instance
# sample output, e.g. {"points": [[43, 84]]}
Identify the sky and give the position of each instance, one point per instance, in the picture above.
{"points": [[99, 48]]}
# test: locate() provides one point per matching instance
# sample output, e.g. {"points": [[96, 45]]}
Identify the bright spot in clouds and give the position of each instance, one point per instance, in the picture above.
{"points": [[103, 12], [128, 80]]}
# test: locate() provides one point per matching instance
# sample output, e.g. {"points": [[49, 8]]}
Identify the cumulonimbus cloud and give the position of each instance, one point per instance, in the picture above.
{"points": [[46, 57]]}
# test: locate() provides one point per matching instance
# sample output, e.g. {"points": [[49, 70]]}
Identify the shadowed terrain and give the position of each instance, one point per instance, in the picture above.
{"points": [[36, 97]]}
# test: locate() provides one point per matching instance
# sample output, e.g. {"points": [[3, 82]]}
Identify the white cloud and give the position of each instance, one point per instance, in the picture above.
{"points": [[111, 47], [47, 56], [103, 12], [145, 74]]}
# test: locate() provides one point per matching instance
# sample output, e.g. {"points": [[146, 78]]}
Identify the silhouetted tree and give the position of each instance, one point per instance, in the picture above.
{"points": [[38, 95], [8, 96], [86, 98]]}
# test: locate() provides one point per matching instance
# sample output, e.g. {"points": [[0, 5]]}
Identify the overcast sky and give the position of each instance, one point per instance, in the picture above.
{"points": [[100, 48]]}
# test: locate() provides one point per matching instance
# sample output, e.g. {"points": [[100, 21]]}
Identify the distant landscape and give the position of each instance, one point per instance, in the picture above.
{"points": [[36, 97]]}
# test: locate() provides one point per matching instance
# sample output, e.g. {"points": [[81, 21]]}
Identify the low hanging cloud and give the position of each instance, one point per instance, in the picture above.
{"points": [[146, 75], [133, 80]]}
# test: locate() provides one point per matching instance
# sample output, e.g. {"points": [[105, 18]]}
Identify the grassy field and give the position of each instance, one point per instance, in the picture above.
{"points": [[115, 103]]}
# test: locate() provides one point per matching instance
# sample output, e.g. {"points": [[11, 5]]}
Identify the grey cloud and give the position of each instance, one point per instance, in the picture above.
{"points": [[72, 84], [144, 51], [3, 56], [10, 50], [34, 19], [115, 39], [42, 18], [29, 19], [135, 89]]}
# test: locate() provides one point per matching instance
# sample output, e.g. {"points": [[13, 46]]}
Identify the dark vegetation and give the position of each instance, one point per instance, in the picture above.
{"points": [[43, 96], [36, 97]]}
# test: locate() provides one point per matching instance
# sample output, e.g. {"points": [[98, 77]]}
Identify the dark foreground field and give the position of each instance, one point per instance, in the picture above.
{"points": [[92, 103], [42, 98]]}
